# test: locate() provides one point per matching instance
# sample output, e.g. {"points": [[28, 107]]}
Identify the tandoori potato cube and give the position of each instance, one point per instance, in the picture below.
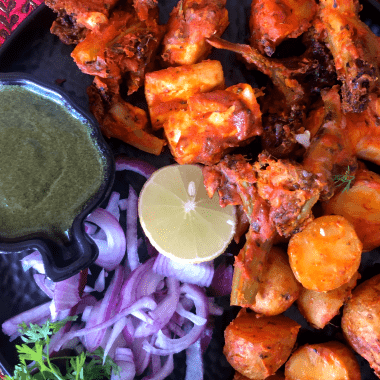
{"points": [[319, 308], [278, 288], [361, 321], [258, 347], [327, 361], [360, 205], [326, 254]]}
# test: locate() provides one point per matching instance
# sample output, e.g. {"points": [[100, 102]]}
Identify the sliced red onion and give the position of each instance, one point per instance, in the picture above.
{"points": [[128, 332], [131, 232], [145, 302], [116, 331], [221, 284], [123, 204], [128, 291], [111, 257], [206, 335], [164, 372], [117, 343], [152, 252], [164, 311], [173, 327], [194, 362], [135, 165], [33, 260], [197, 320], [124, 359], [107, 305], [65, 295], [141, 356], [10, 326], [100, 282], [199, 274], [113, 205], [44, 283], [213, 308], [170, 346], [139, 314], [90, 228], [148, 283]]}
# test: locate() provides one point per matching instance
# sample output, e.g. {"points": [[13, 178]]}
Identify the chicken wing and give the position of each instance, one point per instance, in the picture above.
{"points": [[356, 51], [271, 22], [190, 23]]}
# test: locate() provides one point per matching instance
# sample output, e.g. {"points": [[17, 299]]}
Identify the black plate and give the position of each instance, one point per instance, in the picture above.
{"points": [[32, 49]]}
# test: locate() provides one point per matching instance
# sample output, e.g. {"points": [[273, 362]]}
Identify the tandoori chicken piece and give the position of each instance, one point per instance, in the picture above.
{"points": [[356, 51], [330, 152], [296, 83], [213, 123], [277, 197], [120, 119], [76, 17], [190, 23], [271, 22], [125, 46]]}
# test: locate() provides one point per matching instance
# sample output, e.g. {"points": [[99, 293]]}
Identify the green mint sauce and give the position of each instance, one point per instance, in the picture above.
{"points": [[49, 165]]}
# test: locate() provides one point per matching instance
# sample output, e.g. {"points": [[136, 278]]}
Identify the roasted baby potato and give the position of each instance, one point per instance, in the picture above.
{"points": [[361, 321], [327, 361], [360, 205], [168, 90], [258, 347], [326, 254], [319, 308], [278, 288]]}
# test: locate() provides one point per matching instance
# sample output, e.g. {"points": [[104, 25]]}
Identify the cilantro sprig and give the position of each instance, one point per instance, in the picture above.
{"points": [[344, 179], [35, 363]]}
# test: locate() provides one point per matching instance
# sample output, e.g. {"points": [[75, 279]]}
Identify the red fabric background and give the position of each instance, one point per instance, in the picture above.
{"points": [[12, 13]]}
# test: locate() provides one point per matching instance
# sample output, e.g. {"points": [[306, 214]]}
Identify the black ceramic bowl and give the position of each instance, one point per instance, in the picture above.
{"points": [[64, 257]]}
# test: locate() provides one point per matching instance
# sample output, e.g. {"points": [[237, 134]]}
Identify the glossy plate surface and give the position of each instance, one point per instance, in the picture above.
{"points": [[32, 49]]}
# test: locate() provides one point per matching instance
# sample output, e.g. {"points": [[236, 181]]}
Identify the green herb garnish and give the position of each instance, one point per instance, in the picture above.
{"points": [[36, 364], [345, 178]]}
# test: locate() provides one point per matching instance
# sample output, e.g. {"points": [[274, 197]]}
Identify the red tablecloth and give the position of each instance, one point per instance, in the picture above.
{"points": [[12, 13]]}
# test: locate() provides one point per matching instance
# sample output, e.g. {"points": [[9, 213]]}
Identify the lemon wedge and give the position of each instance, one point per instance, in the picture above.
{"points": [[179, 218]]}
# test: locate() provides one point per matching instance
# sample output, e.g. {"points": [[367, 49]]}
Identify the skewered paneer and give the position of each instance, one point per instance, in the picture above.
{"points": [[271, 22], [258, 347], [213, 124], [190, 23], [167, 91], [202, 121]]}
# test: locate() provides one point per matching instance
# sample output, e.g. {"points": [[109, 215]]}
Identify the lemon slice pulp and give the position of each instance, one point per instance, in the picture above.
{"points": [[179, 218]]}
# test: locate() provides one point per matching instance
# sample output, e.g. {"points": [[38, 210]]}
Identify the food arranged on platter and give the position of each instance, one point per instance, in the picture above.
{"points": [[305, 204]]}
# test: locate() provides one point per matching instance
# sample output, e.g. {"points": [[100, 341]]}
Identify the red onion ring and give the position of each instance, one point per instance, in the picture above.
{"points": [[132, 217], [136, 165], [106, 307], [163, 312], [116, 243]]}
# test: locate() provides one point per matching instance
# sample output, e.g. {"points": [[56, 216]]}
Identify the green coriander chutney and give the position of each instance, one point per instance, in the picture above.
{"points": [[50, 165]]}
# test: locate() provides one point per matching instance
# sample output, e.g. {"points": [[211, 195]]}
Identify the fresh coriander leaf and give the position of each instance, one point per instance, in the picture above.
{"points": [[344, 179]]}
